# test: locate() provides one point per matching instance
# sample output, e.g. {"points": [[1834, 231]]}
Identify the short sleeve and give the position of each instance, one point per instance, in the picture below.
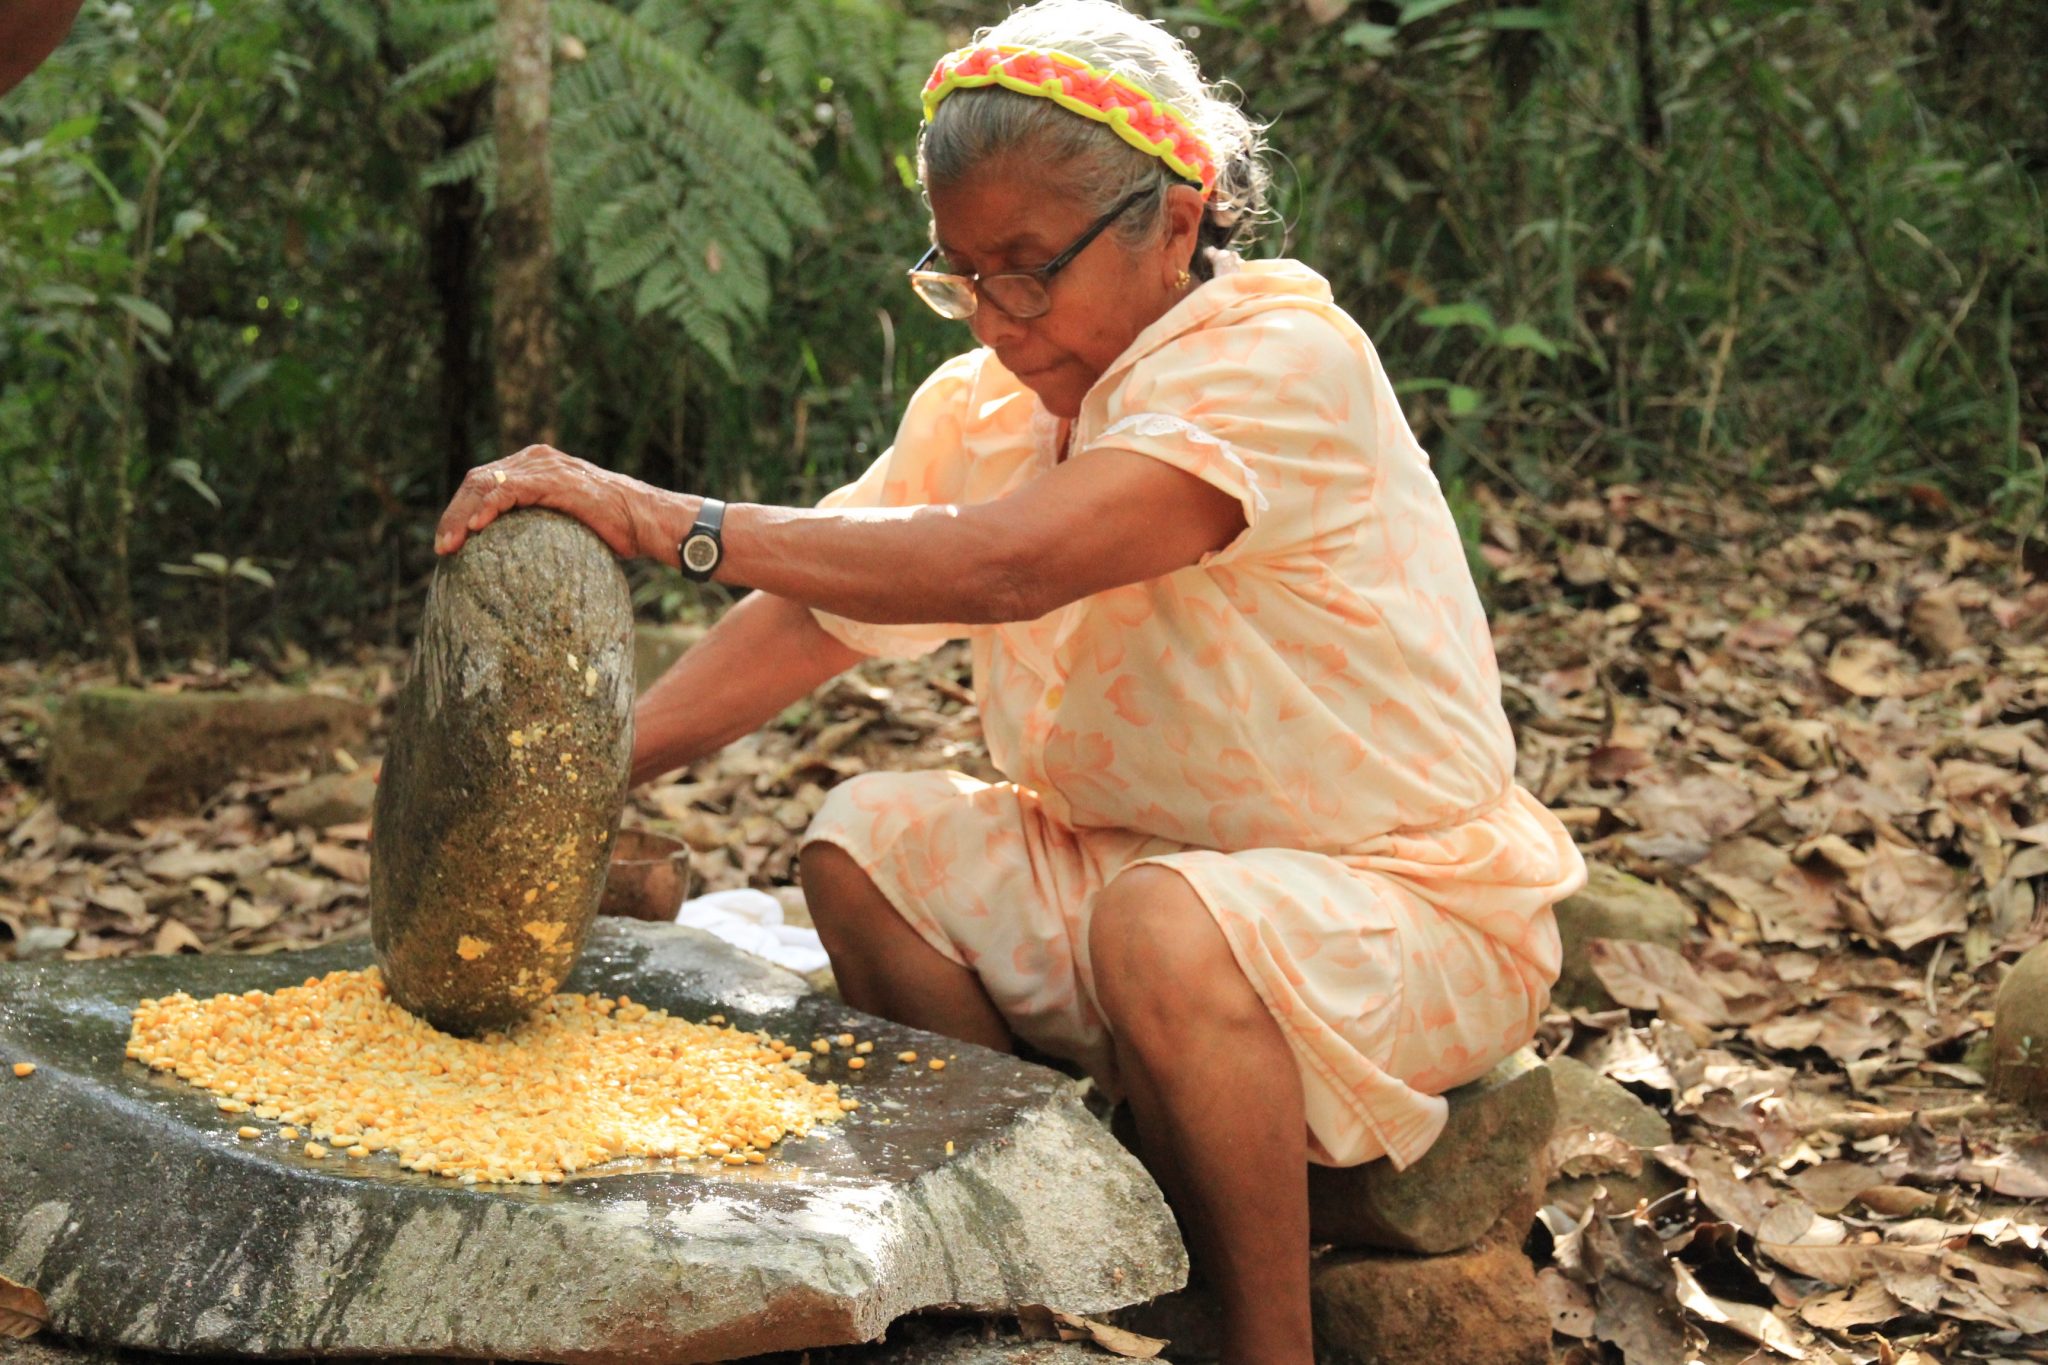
{"points": [[924, 465], [1275, 409]]}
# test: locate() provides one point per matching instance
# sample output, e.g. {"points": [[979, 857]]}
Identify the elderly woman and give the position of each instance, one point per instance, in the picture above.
{"points": [[1261, 865]]}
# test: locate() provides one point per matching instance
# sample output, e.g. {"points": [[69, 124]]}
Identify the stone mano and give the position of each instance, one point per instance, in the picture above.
{"points": [[506, 774], [129, 1204]]}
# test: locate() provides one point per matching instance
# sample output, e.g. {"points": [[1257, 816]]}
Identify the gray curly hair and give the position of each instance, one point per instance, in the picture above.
{"points": [[974, 126]]}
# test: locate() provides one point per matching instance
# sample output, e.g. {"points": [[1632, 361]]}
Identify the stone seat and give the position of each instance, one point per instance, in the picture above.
{"points": [[1482, 1164]]}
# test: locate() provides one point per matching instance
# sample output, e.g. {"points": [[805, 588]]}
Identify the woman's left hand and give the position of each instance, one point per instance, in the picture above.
{"points": [[623, 511]]}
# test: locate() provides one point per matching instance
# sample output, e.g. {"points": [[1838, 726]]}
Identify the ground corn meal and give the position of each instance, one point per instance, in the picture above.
{"points": [[586, 1080]]}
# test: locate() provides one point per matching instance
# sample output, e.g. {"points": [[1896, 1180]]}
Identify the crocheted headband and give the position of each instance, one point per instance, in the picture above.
{"points": [[1133, 115]]}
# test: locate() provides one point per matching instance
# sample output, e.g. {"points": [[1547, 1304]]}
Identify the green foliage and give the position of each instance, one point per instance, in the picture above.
{"points": [[1779, 235], [1776, 234], [672, 187]]}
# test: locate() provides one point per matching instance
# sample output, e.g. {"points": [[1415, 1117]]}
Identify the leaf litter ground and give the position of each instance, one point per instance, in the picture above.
{"points": [[1826, 733]]}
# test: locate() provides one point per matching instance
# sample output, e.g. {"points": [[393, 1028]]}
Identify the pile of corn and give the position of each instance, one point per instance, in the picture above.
{"points": [[586, 1080]]}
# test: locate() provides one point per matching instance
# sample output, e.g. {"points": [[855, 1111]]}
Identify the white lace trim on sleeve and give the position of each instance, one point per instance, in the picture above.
{"points": [[1162, 424]]}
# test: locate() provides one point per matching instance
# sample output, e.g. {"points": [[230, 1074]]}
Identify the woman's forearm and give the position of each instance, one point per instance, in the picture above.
{"points": [[889, 566], [764, 654], [1080, 528]]}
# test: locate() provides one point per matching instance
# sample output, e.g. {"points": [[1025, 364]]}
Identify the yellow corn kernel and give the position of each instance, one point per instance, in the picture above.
{"points": [[906, 1056], [820, 1046], [315, 1150], [844, 1040], [856, 1063], [337, 1061], [865, 1048], [949, 1146], [24, 1069], [938, 1064], [246, 1133]]}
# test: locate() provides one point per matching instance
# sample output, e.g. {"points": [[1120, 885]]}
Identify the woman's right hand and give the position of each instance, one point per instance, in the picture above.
{"points": [[631, 517]]}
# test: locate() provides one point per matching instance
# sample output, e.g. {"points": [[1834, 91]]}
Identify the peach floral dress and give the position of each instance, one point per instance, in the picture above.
{"points": [[1305, 725]]}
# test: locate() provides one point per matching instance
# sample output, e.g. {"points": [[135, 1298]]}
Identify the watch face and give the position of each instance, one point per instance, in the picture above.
{"points": [[700, 554]]}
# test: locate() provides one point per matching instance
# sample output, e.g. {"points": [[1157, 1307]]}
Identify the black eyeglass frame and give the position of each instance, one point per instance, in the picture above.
{"points": [[1041, 275]]}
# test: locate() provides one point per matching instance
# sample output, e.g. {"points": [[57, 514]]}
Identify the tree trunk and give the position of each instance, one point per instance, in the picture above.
{"points": [[120, 619], [522, 298], [454, 215], [1650, 106]]}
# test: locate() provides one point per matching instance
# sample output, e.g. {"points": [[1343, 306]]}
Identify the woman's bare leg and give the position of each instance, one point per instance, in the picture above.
{"points": [[881, 963], [1214, 1086]]}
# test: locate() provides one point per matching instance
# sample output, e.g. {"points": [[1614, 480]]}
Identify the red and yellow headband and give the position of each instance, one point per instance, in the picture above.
{"points": [[1132, 114]]}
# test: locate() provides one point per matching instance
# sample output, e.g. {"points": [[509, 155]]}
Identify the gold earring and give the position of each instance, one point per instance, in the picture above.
{"points": [[1182, 280]]}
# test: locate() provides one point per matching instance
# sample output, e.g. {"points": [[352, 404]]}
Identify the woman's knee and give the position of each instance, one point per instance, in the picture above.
{"points": [[1160, 961], [837, 891]]}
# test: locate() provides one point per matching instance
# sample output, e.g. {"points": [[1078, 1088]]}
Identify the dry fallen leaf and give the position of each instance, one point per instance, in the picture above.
{"points": [[1115, 1340], [22, 1310], [1757, 1323], [350, 864], [1863, 1306], [172, 936], [1865, 668], [1649, 976], [1571, 1306]]}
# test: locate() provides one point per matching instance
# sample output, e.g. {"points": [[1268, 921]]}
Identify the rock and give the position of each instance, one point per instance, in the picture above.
{"points": [[1384, 1308], [1612, 905], [656, 648], [1590, 1103], [918, 1341], [506, 773], [128, 1204], [1483, 1163], [949, 1341], [45, 1348], [2019, 1033], [116, 752], [329, 799]]}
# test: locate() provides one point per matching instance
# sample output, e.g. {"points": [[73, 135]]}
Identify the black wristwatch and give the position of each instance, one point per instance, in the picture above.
{"points": [[702, 550]]}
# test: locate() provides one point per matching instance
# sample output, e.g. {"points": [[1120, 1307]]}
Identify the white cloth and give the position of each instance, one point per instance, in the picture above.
{"points": [[752, 922]]}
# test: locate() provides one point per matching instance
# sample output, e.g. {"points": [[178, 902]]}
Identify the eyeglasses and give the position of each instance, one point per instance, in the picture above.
{"points": [[1022, 294]]}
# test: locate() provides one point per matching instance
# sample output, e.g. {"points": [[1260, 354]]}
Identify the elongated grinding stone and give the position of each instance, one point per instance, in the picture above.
{"points": [[506, 774]]}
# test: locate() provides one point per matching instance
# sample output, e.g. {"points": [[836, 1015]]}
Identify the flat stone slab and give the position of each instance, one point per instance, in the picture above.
{"points": [[127, 1202], [916, 1342]]}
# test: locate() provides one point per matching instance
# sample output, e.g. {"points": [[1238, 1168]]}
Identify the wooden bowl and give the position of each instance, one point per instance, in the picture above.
{"points": [[648, 877]]}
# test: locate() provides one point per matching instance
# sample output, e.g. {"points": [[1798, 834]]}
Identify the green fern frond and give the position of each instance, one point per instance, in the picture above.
{"points": [[476, 159], [465, 64], [676, 171], [417, 23], [355, 20]]}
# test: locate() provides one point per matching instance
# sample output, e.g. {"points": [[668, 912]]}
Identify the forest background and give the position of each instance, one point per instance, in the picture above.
{"points": [[273, 275]]}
